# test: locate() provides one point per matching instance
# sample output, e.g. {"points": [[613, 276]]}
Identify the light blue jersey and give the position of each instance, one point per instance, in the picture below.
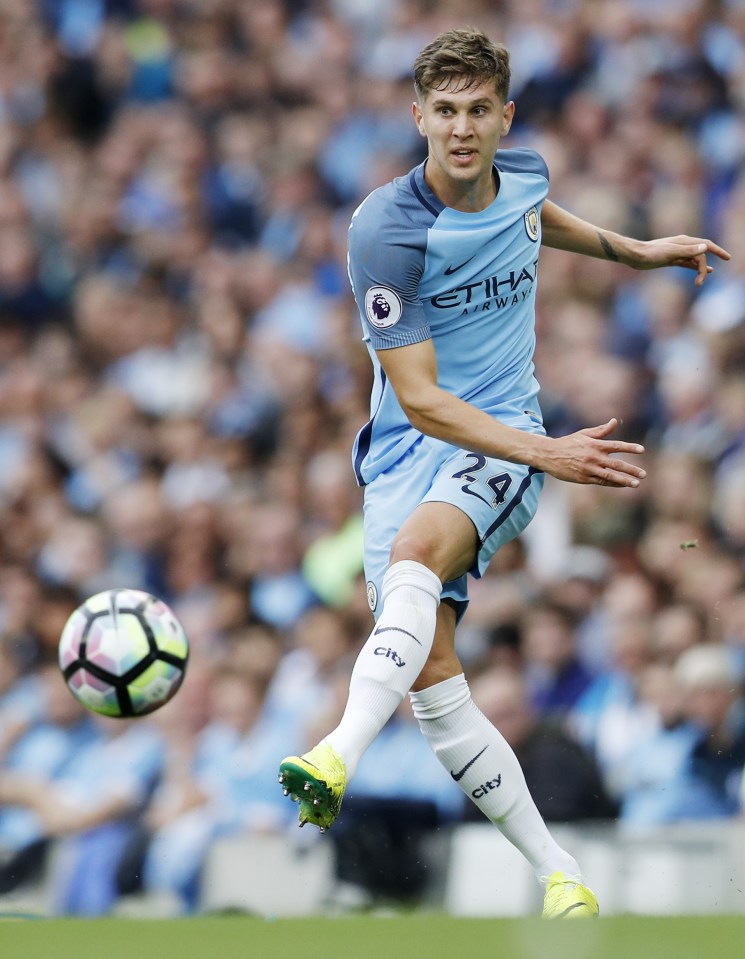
{"points": [[467, 281], [421, 270]]}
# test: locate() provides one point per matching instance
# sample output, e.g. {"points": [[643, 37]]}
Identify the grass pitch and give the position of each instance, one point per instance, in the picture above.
{"points": [[366, 937]]}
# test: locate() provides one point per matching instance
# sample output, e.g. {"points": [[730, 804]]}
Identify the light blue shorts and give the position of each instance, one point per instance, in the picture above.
{"points": [[499, 497]]}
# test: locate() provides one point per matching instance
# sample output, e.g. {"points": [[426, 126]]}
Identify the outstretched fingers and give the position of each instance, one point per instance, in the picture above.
{"points": [[698, 262], [611, 446], [692, 255], [590, 456], [617, 472], [604, 467], [689, 252], [711, 247], [702, 267], [604, 429]]}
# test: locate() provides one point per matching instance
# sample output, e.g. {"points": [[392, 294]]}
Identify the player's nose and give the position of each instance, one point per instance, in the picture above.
{"points": [[462, 127]]}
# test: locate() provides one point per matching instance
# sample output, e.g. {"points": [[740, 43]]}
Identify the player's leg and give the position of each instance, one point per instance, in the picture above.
{"points": [[480, 760], [477, 756], [435, 543], [471, 749]]}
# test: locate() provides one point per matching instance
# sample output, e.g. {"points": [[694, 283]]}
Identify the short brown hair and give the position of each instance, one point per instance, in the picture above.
{"points": [[467, 57]]}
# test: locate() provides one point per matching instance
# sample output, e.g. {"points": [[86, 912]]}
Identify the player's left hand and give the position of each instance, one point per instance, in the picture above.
{"points": [[686, 251]]}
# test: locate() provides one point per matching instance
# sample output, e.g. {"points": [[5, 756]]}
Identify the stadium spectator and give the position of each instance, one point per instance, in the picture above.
{"points": [[92, 806], [654, 784], [332, 562], [280, 592], [610, 718], [690, 767], [714, 702], [555, 675], [40, 753], [303, 687], [21, 696], [562, 776], [218, 779]]}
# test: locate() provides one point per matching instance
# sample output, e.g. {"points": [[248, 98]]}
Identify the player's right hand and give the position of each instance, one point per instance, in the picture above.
{"points": [[590, 457]]}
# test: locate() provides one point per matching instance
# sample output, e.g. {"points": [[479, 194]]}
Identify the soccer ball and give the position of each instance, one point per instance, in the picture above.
{"points": [[123, 653]]}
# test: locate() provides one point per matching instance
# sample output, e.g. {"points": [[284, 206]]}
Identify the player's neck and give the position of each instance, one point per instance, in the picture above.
{"points": [[461, 195]]}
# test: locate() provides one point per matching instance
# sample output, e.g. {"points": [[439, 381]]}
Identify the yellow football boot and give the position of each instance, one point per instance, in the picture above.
{"points": [[568, 899], [317, 781]]}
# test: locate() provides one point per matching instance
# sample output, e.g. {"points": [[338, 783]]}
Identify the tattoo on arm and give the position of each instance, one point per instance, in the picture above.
{"points": [[610, 253]]}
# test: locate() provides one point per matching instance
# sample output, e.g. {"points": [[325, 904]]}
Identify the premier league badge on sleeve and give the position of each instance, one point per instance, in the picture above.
{"points": [[383, 307]]}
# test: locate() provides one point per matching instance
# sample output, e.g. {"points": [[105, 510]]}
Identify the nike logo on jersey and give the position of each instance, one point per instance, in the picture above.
{"points": [[454, 269], [459, 775]]}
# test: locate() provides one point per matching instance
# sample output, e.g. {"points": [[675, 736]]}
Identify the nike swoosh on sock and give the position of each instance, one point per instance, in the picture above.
{"points": [[396, 629], [459, 775]]}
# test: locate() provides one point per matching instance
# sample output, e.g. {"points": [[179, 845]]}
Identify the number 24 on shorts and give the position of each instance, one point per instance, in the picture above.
{"points": [[498, 484]]}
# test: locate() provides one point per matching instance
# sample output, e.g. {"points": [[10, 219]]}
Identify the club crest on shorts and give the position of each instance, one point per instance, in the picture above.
{"points": [[372, 595], [383, 307], [531, 223]]}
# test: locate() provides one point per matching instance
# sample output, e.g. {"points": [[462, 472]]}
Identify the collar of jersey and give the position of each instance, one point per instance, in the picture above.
{"points": [[426, 197], [422, 191]]}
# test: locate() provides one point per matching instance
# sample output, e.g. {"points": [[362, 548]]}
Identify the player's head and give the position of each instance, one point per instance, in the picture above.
{"points": [[462, 83], [459, 60]]}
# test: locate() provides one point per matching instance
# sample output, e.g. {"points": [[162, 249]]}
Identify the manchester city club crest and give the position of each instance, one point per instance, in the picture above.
{"points": [[531, 223], [372, 595]]}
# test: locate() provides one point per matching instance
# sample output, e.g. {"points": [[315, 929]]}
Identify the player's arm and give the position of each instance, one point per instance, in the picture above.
{"points": [[564, 231], [582, 457]]}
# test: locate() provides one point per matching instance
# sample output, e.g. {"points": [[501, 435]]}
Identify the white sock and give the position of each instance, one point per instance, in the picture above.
{"points": [[483, 764], [391, 659]]}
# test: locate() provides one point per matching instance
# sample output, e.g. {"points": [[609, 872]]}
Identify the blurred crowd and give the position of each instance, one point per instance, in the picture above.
{"points": [[182, 375]]}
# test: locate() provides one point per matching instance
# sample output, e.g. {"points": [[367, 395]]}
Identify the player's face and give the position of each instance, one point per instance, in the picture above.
{"points": [[463, 128]]}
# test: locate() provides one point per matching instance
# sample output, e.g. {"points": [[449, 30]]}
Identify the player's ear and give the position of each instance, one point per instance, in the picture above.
{"points": [[418, 117], [507, 116]]}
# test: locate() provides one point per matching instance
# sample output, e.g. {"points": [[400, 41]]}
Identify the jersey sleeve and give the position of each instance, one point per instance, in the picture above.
{"points": [[386, 261]]}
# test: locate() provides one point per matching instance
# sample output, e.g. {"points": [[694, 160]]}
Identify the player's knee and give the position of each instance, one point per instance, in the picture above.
{"points": [[414, 547]]}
